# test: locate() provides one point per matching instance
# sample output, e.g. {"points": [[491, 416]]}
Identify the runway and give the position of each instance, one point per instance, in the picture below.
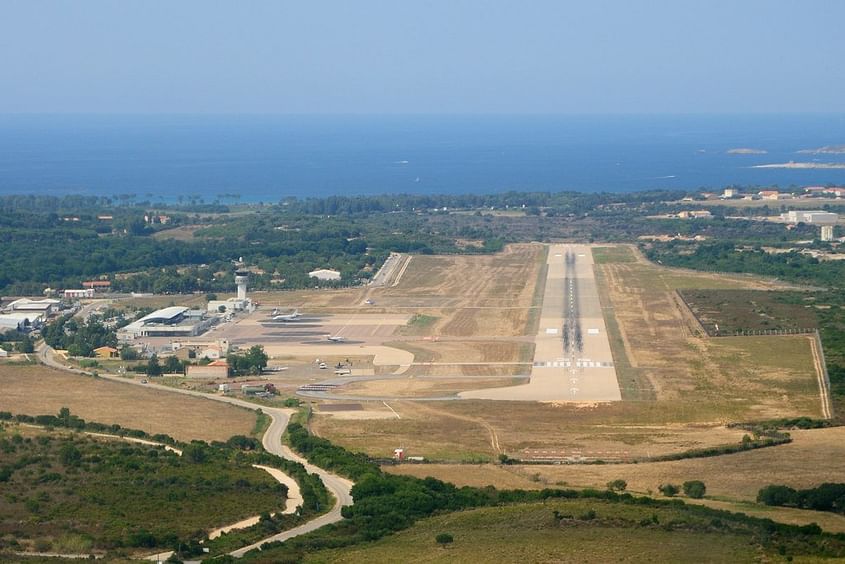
{"points": [[572, 358]]}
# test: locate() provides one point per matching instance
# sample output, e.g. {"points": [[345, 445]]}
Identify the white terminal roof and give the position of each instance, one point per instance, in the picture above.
{"points": [[160, 316], [163, 315]]}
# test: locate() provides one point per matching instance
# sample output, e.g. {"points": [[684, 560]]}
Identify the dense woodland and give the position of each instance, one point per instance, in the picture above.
{"points": [[59, 242]]}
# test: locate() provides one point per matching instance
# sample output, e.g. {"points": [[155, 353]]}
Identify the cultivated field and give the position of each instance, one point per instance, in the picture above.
{"points": [[37, 390]]}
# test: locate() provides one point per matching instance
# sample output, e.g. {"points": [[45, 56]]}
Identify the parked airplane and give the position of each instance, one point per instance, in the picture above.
{"points": [[286, 317], [335, 338]]}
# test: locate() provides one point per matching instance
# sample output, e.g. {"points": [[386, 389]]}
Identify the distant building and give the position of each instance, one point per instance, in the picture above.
{"points": [[76, 294], [3, 352], [695, 214], [98, 285], [46, 307], [815, 217], [730, 193], [772, 195], [106, 352], [325, 274]]}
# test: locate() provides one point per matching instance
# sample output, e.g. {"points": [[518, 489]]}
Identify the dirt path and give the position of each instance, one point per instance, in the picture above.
{"points": [[494, 437], [821, 375]]}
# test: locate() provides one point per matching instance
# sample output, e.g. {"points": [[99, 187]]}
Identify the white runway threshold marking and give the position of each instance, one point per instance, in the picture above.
{"points": [[554, 368]]}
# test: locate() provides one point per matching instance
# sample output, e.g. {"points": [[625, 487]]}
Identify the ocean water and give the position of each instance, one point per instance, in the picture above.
{"points": [[265, 158]]}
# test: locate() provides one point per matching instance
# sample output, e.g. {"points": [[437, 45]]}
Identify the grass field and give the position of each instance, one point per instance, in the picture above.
{"points": [[530, 533], [36, 390]]}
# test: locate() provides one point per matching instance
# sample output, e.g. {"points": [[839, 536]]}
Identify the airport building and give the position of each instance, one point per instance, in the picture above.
{"points": [[325, 274], [241, 303], [45, 307], [826, 220], [173, 321]]}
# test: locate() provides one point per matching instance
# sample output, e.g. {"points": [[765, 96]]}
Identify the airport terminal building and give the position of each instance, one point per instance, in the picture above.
{"points": [[173, 321]]}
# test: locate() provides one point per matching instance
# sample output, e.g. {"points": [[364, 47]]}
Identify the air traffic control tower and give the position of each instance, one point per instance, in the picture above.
{"points": [[241, 279]]}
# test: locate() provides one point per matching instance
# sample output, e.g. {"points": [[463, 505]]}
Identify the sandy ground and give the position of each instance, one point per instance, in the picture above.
{"points": [[587, 375]]}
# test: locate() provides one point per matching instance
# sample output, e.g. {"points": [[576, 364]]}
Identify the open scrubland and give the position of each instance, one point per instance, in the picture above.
{"points": [[70, 492], [41, 390], [575, 531]]}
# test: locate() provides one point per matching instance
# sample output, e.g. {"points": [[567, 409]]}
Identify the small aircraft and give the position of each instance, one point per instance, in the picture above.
{"points": [[335, 338], [286, 317]]}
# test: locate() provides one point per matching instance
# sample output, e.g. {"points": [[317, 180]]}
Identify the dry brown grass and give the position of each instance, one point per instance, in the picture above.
{"points": [[471, 295], [473, 475], [738, 377], [814, 457], [412, 387], [35, 390]]}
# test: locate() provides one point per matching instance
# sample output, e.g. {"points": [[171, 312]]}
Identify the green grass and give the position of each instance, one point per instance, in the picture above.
{"points": [[604, 255], [420, 320], [262, 423], [531, 533]]}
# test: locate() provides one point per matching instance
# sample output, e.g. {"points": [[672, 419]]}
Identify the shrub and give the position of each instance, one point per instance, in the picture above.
{"points": [[444, 539], [617, 485], [694, 489], [777, 495], [669, 490]]}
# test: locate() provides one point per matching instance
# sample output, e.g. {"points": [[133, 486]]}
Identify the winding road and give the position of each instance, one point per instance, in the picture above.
{"points": [[340, 487]]}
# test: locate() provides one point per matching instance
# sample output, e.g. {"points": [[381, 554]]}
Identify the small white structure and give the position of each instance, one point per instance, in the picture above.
{"points": [[325, 274], [4, 353], [730, 193]]}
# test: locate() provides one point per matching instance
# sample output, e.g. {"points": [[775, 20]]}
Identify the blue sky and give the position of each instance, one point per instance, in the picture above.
{"points": [[450, 56]]}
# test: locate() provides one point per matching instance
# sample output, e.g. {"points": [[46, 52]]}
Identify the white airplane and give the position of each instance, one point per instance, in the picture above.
{"points": [[286, 317], [335, 338]]}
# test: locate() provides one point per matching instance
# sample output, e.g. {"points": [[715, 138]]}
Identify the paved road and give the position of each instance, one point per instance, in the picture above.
{"points": [[272, 441]]}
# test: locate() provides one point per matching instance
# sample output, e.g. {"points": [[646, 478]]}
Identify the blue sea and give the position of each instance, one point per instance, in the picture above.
{"points": [[266, 158]]}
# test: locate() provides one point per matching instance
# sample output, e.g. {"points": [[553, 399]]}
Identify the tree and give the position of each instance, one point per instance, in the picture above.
{"points": [[444, 539], [617, 485], [153, 367], [25, 345], [694, 489], [128, 353], [669, 490], [173, 365]]}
